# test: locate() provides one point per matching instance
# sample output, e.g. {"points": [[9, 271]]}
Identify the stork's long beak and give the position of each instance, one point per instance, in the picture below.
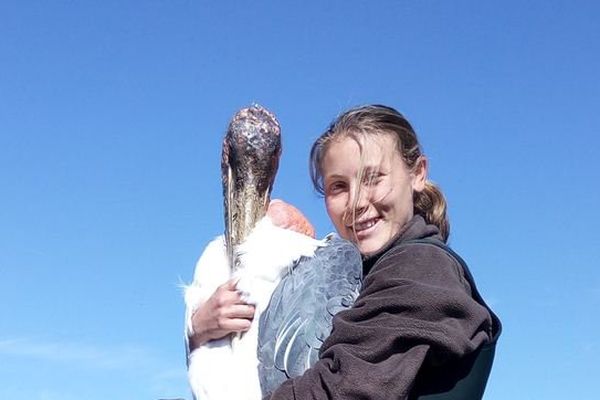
{"points": [[251, 151]]}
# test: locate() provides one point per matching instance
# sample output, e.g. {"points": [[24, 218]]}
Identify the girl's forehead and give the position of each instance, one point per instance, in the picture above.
{"points": [[361, 151], [369, 146]]}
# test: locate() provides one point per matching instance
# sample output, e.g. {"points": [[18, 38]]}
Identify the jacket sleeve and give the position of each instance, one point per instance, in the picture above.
{"points": [[415, 308]]}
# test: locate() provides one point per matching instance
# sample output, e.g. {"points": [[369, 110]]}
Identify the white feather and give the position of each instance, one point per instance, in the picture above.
{"points": [[218, 370]]}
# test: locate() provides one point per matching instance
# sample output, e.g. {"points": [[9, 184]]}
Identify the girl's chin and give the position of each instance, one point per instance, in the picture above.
{"points": [[369, 247], [374, 244]]}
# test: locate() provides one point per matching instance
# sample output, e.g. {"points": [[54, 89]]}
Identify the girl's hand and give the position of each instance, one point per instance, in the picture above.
{"points": [[222, 314]]}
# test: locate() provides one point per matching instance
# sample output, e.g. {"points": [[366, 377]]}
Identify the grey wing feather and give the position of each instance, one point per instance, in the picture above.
{"points": [[299, 316]]}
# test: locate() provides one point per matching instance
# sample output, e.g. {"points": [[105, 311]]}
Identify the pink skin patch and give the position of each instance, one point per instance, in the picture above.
{"points": [[285, 215]]}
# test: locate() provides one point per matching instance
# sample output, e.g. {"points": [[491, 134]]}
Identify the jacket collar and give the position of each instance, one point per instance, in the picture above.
{"points": [[416, 228]]}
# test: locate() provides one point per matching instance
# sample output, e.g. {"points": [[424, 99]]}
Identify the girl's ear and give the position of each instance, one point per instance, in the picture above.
{"points": [[419, 174]]}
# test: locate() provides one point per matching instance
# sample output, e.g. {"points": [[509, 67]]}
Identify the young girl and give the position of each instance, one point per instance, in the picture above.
{"points": [[418, 323]]}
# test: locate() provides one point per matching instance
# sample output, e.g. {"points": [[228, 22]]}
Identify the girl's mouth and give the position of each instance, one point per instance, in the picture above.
{"points": [[365, 227]]}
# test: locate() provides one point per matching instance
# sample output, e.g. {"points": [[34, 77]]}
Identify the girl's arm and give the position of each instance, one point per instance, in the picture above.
{"points": [[415, 310]]}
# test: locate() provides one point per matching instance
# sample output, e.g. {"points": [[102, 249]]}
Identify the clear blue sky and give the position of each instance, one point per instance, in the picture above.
{"points": [[111, 119]]}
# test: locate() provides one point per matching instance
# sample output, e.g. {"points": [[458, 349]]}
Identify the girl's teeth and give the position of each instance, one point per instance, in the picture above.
{"points": [[365, 225]]}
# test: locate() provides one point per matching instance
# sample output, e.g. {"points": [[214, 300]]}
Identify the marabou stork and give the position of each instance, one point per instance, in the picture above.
{"points": [[297, 283]]}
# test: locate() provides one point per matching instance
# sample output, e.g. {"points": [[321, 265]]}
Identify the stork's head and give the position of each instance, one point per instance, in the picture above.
{"points": [[251, 151]]}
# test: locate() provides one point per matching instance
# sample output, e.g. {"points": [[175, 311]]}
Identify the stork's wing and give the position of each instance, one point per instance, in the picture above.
{"points": [[299, 316]]}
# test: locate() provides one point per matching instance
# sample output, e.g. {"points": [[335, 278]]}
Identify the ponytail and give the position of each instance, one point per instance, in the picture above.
{"points": [[431, 205]]}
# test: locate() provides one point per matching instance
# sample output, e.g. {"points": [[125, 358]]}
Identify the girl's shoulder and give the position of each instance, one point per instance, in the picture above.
{"points": [[421, 261]]}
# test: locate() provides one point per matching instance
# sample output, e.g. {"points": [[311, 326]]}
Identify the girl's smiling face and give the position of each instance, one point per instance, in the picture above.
{"points": [[369, 189]]}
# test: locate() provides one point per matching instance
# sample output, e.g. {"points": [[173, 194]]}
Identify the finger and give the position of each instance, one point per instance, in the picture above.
{"points": [[235, 325], [229, 287], [239, 311], [230, 284], [226, 298]]}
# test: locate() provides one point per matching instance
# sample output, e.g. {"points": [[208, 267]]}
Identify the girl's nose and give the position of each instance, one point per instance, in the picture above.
{"points": [[358, 202], [359, 197]]}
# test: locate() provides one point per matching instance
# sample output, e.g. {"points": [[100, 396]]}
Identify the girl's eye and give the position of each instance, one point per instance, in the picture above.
{"points": [[336, 187], [372, 178]]}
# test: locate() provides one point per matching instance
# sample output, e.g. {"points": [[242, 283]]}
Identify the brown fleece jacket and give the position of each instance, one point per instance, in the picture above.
{"points": [[414, 313]]}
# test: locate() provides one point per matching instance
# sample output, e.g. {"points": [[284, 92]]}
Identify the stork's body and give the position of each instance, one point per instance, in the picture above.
{"points": [[259, 255], [218, 370]]}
